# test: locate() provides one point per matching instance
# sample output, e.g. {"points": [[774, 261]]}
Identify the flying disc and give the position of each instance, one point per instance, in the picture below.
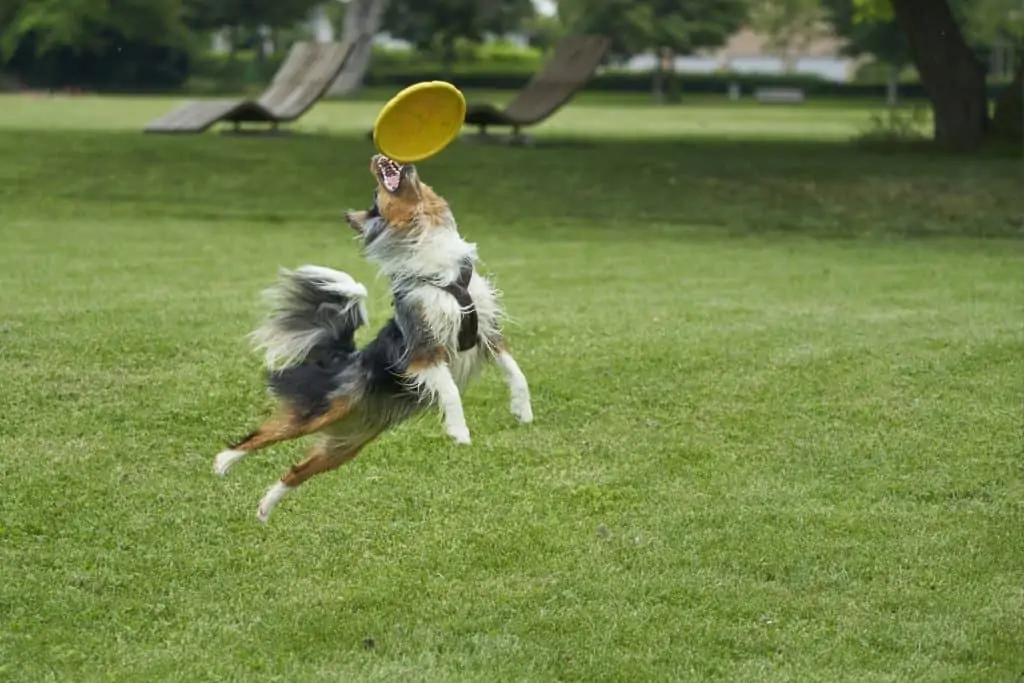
{"points": [[419, 121]]}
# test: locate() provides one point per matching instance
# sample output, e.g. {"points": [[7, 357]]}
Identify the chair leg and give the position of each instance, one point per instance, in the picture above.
{"points": [[519, 138]]}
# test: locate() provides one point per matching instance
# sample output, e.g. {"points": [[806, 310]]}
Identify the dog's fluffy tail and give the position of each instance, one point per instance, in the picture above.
{"points": [[311, 307]]}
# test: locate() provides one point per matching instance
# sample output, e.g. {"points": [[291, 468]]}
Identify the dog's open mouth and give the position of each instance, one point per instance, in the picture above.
{"points": [[390, 173]]}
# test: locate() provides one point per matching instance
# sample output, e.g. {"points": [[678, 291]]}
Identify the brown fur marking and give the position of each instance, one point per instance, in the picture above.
{"points": [[324, 457], [286, 424], [422, 359]]}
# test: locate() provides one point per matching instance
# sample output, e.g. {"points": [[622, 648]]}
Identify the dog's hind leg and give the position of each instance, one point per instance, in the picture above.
{"points": [[284, 426], [520, 405], [330, 453]]}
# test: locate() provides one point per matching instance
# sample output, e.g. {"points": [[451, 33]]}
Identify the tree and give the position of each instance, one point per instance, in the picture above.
{"points": [[99, 43], [362, 21], [989, 22], [543, 32], [437, 25], [791, 25], [666, 27], [950, 71], [250, 16], [1000, 24], [877, 36], [89, 26]]}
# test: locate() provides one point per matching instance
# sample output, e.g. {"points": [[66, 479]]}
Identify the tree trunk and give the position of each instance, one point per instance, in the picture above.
{"points": [[1008, 121], [658, 80], [892, 85], [448, 54], [261, 51], [671, 78], [950, 73], [362, 20]]}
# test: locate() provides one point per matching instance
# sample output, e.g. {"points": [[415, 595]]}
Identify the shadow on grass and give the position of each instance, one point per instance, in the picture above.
{"points": [[657, 189]]}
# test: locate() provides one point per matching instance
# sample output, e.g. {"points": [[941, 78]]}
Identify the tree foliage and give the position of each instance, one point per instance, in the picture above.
{"points": [[436, 25], [870, 26], [868, 31], [214, 14], [635, 26], [790, 25], [90, 26], [992, 22]]}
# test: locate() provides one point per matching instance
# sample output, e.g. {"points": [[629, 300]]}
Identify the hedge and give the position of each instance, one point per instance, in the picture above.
{"points": [[215, 72], [640, 82]]}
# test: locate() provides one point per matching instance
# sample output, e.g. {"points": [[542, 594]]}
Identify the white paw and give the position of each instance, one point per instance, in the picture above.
{"points": [[263, 510], [459, 435], [224, 460], [272, 497], [522, 411]]}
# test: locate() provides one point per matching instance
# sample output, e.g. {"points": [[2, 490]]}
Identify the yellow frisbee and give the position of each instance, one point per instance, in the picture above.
{"points": [[420, 121]]}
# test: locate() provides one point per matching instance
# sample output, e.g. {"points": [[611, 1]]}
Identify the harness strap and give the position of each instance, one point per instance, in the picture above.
{"points": [[470, 324]]}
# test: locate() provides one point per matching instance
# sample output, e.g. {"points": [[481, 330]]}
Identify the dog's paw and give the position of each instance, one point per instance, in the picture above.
{"points": [[522, 411], [272, 497], [459, 435], [355, 219], [224, 460], [263, 510]]}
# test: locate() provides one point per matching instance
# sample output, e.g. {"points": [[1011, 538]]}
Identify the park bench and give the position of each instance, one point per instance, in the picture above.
{"points": [[779, 95], [304, 78]]}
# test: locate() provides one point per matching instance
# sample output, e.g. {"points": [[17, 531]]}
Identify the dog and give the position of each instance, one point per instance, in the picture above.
{"points": [[445, 327]]}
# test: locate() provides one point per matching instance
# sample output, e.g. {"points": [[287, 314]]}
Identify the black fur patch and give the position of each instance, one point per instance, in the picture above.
{"points": [[308, 386]]}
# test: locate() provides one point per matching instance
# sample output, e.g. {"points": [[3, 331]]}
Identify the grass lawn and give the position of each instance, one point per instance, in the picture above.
{"points": [[777, 386], [593, 115]]}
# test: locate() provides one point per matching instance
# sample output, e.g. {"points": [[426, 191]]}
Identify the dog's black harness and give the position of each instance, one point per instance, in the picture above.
{"points": [[470, 322]]}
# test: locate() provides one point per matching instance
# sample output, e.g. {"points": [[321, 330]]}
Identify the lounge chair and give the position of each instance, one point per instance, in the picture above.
{"points": [[302, 80], [574, 61]]}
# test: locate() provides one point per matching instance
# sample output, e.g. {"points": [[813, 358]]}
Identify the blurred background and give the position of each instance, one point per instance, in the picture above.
{"points": [[846, 49]]}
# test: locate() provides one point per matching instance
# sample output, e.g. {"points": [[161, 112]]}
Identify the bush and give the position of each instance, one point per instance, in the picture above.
{"points": [[497, 56], [217, 72], [504, 67], [487, 76], [874, 72], [124, 66]]}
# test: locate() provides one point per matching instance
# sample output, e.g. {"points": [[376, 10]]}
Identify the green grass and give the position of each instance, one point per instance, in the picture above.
{"points": [[777, 387], [595, 115]]}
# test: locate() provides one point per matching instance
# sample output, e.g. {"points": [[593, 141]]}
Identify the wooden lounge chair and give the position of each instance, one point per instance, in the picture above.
{"points": [[574, 61], [302, 80]]}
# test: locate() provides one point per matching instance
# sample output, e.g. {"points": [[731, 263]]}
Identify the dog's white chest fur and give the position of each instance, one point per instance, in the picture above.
{"points": [[431, 262], [442, 316]]}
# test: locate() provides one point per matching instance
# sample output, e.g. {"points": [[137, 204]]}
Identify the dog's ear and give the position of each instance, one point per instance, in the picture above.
{"points": [[356, 219]]}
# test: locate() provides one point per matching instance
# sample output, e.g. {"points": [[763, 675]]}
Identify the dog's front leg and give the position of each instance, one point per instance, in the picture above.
{"points": [[437, 381]]}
